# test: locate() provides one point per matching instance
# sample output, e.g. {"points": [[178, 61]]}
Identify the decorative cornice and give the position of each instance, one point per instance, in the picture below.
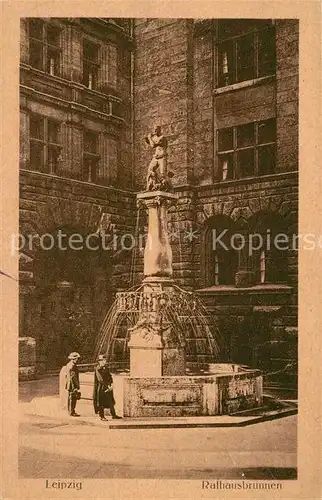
{"points": [[242, 85], [195, 189], [256, 289], [29, 175], [105, 27], [51, 78], [70, 105], [151, 199]]}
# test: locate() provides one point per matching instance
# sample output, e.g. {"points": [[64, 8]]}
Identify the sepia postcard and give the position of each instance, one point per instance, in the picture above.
{"points": [[161, 250]]}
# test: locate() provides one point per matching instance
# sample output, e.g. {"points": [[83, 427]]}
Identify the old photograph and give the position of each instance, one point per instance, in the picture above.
{"points": [[160, 250], [158, 242]]}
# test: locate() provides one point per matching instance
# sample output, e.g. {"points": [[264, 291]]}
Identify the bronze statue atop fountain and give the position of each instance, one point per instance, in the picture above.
{"points": [[158, 178]]}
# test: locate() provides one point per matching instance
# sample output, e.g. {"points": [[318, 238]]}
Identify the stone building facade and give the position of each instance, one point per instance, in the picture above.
{"points": [[226, 95], [76, 177]]}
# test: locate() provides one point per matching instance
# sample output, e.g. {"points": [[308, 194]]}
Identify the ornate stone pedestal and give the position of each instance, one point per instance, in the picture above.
{"points": [[217, 394], [154, 352], [157, 253]]}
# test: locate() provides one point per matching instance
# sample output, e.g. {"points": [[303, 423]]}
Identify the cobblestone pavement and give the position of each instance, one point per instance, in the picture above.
{"points": [[57, 446]]}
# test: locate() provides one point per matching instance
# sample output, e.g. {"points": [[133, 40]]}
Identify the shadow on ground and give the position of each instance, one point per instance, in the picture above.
{"points": [[36, 388], [51, 465]]}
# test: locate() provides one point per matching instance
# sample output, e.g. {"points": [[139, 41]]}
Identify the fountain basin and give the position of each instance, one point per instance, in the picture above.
{"points": [[193, 395], [220, 389]]}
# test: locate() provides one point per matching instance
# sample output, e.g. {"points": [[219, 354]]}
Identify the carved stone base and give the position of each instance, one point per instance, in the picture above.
{"points": [[153, 351], [217, 394], [145, 362], [173, 361]]}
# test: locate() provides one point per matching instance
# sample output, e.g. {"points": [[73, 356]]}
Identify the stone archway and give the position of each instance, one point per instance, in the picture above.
{"points": [[73, 290], [63, 299]]}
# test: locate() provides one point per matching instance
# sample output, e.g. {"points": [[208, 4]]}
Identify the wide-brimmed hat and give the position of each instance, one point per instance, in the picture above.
{"points": [[74, 355], [101, 357]]}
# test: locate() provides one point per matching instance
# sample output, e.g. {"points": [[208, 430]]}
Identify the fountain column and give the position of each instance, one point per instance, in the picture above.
{"points": [[157, 252], [154, 351]]}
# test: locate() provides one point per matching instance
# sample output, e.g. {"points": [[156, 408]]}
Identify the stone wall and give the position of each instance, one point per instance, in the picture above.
{"points": [[254, 320], [176, 86], [163, 92], [287, 93], [65, 295], [105, 110], [27, 358], [240, 201], [48, 204], [203, 137]]}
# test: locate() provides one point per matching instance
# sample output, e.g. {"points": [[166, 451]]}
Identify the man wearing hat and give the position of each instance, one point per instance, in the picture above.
{"points": [[103, 396], [72, 383]]}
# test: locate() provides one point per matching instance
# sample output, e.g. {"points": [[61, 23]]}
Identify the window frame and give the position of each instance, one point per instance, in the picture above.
{"points": [[221, 264], [233, 152], [46, 47], [90, 157], [269, 266], [48, 147], [233, 40], [215, 275], [91, 64], [262, 267]]}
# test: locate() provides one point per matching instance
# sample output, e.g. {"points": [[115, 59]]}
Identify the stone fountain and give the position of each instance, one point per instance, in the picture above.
{"points": [[161, 382]]}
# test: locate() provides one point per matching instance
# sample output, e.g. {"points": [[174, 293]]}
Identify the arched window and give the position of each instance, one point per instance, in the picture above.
{"points": [[220, 260], [270, 260]]}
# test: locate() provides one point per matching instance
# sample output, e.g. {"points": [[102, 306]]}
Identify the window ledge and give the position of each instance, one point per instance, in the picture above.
{"points": [[248, 180], [68, 180], [100, 94], [54, 78], [242, 85], [268, 288], [70, 83]]}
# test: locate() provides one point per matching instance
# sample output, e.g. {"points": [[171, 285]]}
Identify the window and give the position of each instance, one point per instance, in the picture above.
{"points": [[246, 150], [224, 267], [262, 266], [223, 258], [91, 157], [44, 46], [269, 264], [245, 50], [216, 269], [90, 64], [45, 144], [269, 261]]}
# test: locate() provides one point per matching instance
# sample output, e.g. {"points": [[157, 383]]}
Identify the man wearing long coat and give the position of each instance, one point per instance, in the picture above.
{"points": [[69, 384], [103, 396]]}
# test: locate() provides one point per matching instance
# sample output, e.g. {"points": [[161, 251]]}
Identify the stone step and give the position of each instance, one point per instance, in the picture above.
{"points": [[282, 393], [271, 406]]}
